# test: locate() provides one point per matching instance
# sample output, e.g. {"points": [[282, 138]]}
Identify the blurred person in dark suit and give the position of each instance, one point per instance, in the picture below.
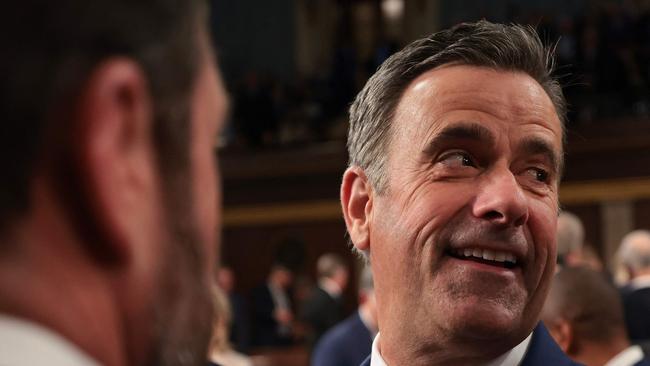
{"points": [[221, 350], [349, 342], [634, 254], [272, 312], [584, 314], [239, 331], [109, 198], [324, 306]]}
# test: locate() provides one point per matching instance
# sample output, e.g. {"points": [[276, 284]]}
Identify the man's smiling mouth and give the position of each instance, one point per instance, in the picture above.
{"points": [[485, 256]]}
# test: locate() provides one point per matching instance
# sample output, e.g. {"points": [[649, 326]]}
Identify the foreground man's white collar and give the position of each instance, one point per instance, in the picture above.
{"points": [[510, 358], [23, 343]]}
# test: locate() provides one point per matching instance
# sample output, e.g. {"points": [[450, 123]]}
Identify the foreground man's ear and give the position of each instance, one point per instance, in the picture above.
{"points": [[115, 156], [356, 201]]}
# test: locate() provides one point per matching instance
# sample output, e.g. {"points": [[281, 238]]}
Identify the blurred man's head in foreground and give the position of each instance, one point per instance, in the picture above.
{"points": [[109, 202]]}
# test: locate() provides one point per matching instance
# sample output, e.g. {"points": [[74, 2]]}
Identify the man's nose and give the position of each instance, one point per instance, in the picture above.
{"points": [[501, 200]]}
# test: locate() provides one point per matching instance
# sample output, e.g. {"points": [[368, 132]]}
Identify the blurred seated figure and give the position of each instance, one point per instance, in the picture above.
{"points": [[273, 317], [221, 351], [584, 314], [350, 342], [570, 239], [239, 324], [324, 306], [634, 254]]}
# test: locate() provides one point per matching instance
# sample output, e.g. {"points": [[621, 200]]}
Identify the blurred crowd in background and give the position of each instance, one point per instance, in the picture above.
{"points": [[603, 57], [593, 313]]}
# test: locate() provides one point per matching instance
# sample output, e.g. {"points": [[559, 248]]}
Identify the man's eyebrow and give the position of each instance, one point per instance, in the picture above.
{"points": [[539, 146], [460, 131]]}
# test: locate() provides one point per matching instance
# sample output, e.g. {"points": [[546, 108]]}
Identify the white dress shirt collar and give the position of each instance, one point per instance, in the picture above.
{"points": [[331, 287], [24, 343], [627, 357], [510, 358], [640, 282]]}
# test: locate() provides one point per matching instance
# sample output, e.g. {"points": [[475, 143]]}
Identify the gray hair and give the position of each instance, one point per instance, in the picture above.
{"points": [[497, 46], [634, 251], [570, 233]]}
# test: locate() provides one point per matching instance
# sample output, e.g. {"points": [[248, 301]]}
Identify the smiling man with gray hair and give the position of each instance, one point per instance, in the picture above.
{"points": [[456, 148]]}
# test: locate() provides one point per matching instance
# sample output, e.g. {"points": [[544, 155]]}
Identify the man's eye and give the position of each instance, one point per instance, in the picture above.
{"points": [[457, 159], [539, 175]]}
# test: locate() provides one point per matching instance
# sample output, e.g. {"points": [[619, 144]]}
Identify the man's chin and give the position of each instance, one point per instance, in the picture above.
{"points": [[486, 320]]}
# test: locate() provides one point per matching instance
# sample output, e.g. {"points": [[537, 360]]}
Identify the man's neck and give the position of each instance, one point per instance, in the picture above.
{"points": [[65, 297], [469, 353]]}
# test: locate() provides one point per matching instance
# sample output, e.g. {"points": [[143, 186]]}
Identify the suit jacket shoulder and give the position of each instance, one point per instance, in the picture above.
{"points": [[643, 362], [366, 362], [347, 344], [544, 351], [637, 317]]}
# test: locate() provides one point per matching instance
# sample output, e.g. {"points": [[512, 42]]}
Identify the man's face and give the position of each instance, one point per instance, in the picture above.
{"points": [[462, 243], [185, 307]]}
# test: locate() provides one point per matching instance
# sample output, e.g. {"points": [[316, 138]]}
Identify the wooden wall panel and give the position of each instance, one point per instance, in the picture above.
{"points": [[642, 214]]}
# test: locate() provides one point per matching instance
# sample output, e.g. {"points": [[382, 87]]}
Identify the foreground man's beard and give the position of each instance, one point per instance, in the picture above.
{"points": [[183, 315], [183, 312]]}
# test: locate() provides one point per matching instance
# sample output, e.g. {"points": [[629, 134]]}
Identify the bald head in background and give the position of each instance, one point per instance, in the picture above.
{"points": [[584, 314], [634, 254], [570, 239]]}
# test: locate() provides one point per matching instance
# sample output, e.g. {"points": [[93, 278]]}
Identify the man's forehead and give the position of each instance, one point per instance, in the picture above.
{"points": [[505, 95]]}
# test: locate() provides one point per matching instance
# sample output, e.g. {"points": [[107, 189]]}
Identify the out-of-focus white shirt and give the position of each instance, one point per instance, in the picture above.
{"points": [[331, 287], [640, 282], [510, 358], [23, 343], [627, 357]]}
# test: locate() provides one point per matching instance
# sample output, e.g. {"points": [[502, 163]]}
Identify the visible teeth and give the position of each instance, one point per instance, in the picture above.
{"points": [[486, 254], [500, 257]]}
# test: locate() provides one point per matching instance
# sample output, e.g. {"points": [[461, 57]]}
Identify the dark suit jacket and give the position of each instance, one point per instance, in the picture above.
{"points": [[643, 362], [542, 351], [321, 312], [636, 304], [265, 327], [240, 326], [347, 344]]}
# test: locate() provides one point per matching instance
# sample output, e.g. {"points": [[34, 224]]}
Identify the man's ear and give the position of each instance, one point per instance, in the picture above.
{"points": [[114, 152], [356, 201]]}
